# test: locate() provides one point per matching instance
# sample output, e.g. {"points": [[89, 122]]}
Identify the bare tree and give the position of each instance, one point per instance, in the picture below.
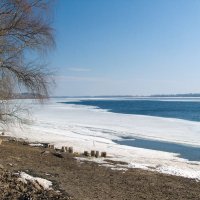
{"points": [[24, 30]]}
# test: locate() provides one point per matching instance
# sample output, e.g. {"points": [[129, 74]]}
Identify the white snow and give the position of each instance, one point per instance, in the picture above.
{"points": [[24, 177], [89, 128], [36, 145], [179, 172]]}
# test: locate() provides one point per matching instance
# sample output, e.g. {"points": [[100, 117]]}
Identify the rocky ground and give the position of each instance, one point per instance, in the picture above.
{"points": [[12, 188], [77, 180]]}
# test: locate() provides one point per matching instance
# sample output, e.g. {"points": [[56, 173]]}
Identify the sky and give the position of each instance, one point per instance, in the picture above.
{"points": [[126, 47]]}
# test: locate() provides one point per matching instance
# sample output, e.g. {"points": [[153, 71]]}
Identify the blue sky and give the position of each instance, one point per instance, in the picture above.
{"points": [[135, 47]]}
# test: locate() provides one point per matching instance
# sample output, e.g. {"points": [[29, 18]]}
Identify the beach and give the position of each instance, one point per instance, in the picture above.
{"points": [[83, 180]]}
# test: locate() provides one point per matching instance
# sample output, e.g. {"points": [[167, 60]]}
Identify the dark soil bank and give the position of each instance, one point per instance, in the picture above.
{"points": [[86, 181]]}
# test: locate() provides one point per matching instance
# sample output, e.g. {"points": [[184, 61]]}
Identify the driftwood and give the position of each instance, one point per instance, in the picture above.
{"points": [[57, 154]]}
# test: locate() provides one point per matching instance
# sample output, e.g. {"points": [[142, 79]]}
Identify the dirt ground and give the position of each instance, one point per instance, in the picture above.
{"points": [[89, 181]]}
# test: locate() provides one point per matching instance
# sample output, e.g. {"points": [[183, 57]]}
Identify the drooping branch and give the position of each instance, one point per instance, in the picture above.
{"points": [[24, 27]]}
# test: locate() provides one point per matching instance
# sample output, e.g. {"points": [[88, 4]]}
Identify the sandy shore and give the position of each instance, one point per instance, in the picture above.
{"points": [[82, 180]]}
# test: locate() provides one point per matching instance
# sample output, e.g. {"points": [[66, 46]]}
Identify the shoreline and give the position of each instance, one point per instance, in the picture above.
{"points": [[158, 161], [105, 161], [87, 129], [81, 179]]}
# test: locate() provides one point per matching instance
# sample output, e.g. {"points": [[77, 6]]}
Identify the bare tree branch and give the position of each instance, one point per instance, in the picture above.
{"points": [[23, 28]]}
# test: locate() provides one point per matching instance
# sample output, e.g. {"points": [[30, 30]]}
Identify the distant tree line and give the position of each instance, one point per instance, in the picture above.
{"points": [[177, 95]]}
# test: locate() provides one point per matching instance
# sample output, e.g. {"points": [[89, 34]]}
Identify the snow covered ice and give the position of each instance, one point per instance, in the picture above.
{"points": [[88, 128]]}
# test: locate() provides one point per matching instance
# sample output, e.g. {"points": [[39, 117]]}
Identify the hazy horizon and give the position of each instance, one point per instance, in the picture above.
{"points": [[128, 95]]}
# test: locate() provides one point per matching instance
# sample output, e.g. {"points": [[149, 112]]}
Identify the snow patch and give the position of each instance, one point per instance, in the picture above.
{"points": [[36, 145], [179, 172], [24, 177]]}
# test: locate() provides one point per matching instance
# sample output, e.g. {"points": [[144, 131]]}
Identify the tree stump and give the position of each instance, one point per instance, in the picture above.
{"points": [[51, 146], [103, 154], [45, 145], [71, 150], [86, 153], [97, 154], [92, 153], [63, 149]]}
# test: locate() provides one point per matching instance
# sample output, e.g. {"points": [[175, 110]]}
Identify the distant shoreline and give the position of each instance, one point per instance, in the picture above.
{"points": [[189, 95]]}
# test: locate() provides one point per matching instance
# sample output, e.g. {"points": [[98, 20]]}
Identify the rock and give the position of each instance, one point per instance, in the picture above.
{"points": [[45, 152], [37, 186], [57, 154], [25, 197], [45, 145], [76, 153], [25, 143], [21, 188], [14, 189]]}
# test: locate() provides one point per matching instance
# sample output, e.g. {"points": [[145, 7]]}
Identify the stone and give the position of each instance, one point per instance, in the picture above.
{"points": [[37, 186], [45, 152], [57, 154]]}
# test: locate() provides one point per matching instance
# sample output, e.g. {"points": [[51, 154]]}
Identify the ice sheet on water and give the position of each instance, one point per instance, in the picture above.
{"points": [[87, 128]]}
